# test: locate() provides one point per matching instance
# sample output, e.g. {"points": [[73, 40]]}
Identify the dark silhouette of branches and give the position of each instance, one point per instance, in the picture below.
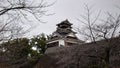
{"points": [[15, 13], [88, 22], [107, 30], [22, 7]]}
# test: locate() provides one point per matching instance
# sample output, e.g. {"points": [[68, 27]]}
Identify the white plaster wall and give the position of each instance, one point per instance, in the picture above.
{"points": [[61, 42], [71, 35]]}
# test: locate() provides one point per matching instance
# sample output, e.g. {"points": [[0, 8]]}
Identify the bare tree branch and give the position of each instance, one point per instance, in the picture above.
{"points": [[19, 11], [87, 21]]}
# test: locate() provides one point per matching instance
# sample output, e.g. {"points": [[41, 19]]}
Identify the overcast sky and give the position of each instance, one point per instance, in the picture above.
{"points": [[71, 10]]}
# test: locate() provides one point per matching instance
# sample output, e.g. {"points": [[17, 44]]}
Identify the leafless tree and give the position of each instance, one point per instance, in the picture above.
{"points": [[108, 29], [14, 13], [88, 21], [96, 29]]}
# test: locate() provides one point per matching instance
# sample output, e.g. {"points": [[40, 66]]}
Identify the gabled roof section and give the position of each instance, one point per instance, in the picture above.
{"points": [[65, 22]]}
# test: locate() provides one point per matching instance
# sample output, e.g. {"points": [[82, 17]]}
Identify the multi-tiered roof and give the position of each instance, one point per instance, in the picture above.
{"points": [[63, 36]]}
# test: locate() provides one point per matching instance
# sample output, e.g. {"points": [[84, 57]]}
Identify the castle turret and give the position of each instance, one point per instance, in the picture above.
{"points": [[63, 36]]}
